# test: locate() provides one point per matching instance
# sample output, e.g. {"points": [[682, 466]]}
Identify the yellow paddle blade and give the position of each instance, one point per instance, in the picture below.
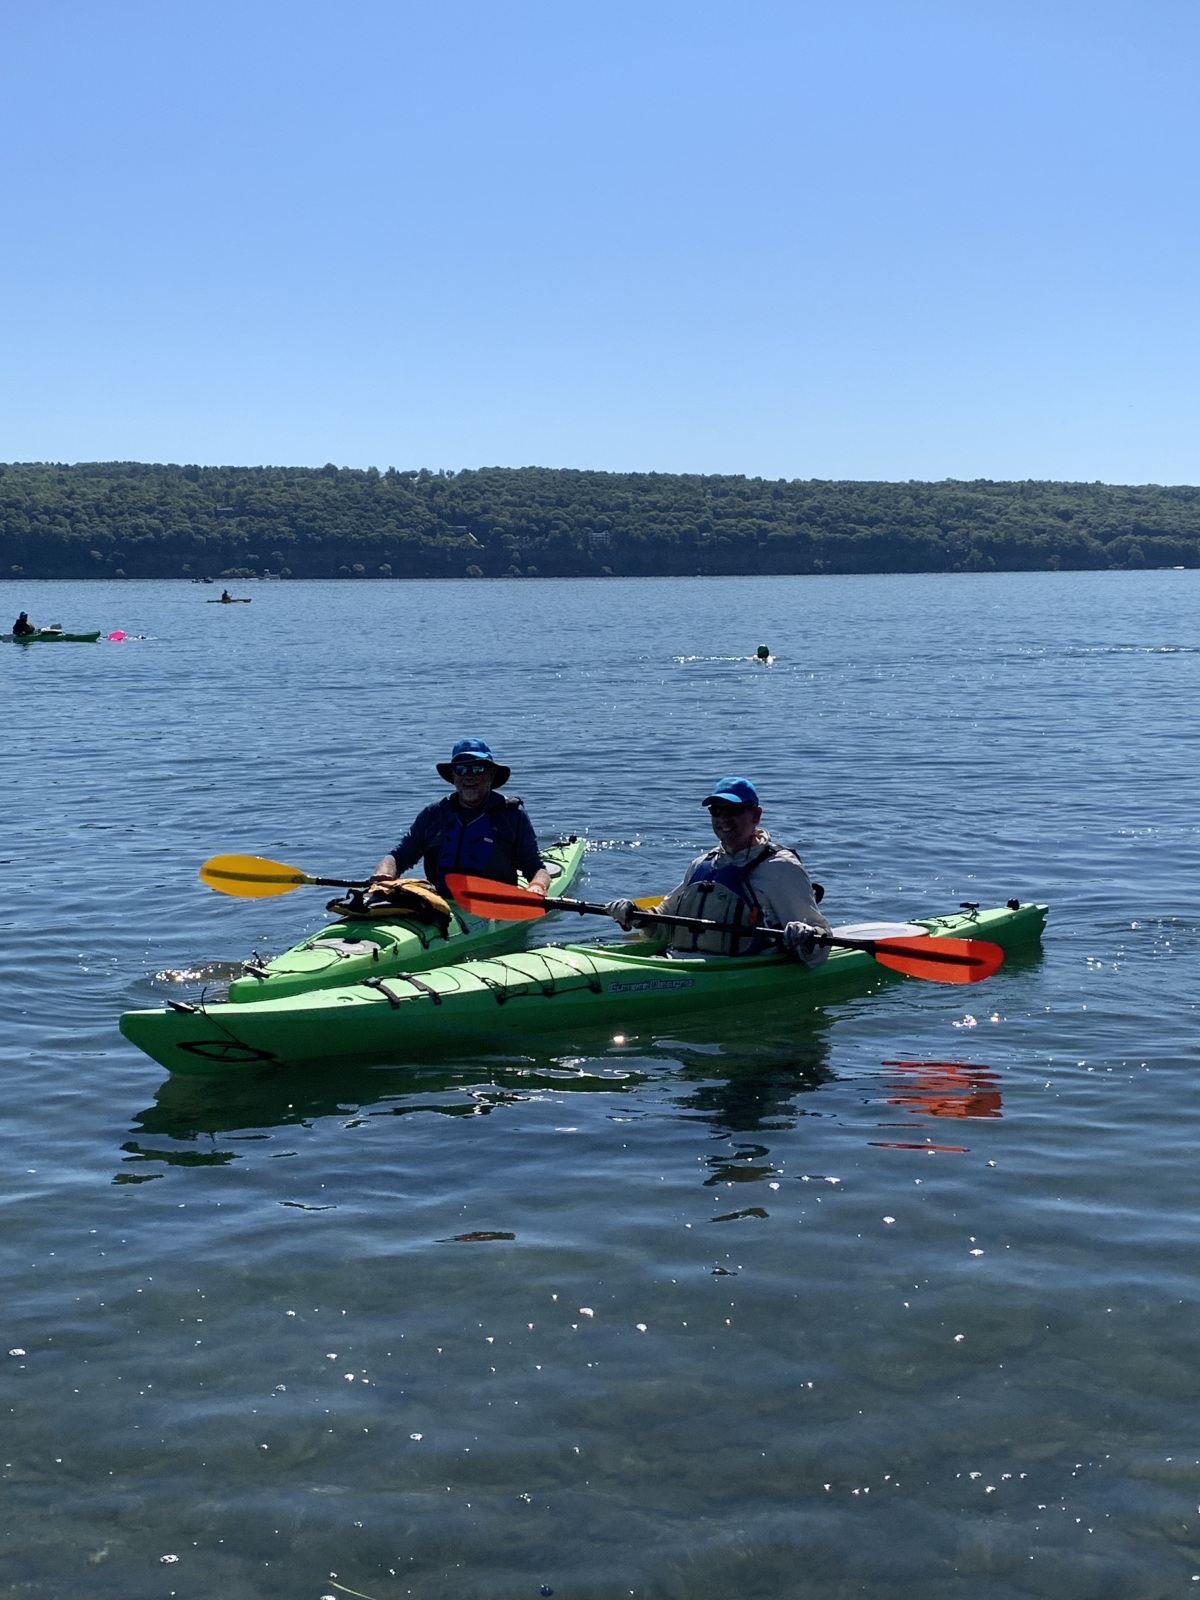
{"points": [[251, 877], [648, 902]]}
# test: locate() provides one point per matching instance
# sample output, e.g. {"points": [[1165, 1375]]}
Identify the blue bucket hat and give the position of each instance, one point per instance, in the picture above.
{"points": [[474, 750], [733, 791]]}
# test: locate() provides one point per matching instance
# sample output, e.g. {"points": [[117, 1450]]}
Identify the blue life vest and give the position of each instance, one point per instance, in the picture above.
{"points": [[740, 905], [484, 843], [466, 846]]}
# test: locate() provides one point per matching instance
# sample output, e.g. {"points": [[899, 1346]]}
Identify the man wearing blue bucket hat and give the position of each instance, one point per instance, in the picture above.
{"points": [[747, 881], [475, 829]]}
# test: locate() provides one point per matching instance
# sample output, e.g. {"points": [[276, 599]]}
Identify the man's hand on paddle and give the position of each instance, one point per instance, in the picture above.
{"points": [[801, 939], [622, 912]]}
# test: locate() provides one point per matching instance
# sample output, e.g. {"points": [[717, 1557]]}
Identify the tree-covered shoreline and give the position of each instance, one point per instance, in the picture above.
{"points": [[132, 520]]}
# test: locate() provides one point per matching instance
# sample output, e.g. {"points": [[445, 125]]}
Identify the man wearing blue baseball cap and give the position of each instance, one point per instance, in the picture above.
{"points": [[475, 829], [747, 881]]}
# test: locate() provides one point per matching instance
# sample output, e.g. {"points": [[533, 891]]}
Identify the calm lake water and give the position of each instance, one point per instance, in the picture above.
{"points": [[742, 1331]]}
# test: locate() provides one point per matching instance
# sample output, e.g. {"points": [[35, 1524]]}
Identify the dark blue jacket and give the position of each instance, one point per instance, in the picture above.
{"points": [[497, 841]]}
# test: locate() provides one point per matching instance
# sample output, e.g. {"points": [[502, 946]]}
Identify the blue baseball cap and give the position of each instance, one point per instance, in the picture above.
{"points": [[733, 791], [474, 750]]}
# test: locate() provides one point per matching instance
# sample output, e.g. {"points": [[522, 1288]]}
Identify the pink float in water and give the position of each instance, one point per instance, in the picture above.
{"points": [[117, 633]]}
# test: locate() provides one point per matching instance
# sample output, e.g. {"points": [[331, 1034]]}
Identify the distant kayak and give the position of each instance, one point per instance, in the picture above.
{"points": [[48, 636], [349, 951], [232, 601], [490, 1005]]}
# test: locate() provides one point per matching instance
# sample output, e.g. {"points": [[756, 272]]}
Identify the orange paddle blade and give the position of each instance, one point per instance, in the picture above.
{"points": [[484, 897], [940, 960]]}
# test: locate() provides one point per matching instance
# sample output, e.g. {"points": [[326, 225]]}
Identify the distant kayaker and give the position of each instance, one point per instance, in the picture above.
{"points": [[226, 597], [746, 880], [22, 626], [475, 829]]}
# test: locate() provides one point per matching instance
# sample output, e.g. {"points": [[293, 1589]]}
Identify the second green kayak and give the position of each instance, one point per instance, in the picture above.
{"points": [[49, 636], [490, 1004], [346, 952]]}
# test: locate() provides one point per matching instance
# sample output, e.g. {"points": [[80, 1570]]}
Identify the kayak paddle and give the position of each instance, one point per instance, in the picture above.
{"points": [[937, 960], [256, 878]]}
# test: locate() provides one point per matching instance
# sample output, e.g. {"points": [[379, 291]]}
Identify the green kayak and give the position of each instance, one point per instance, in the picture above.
{"points": [[489, 1004], [49, 636], [346, 952]]}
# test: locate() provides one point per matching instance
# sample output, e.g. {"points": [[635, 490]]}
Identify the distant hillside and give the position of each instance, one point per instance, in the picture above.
{"points": [[124, 519]]}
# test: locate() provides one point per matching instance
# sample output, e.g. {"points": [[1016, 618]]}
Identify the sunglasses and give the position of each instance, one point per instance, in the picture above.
{"points": [[720, 810], [470, 769]]}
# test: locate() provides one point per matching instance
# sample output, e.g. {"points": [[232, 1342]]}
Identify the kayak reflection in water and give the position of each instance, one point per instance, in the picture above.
{"points": [[475, 829], [22, 627], [746, 880]]}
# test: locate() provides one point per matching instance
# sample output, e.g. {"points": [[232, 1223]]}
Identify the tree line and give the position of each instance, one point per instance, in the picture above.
{"points": [[134, 520]]}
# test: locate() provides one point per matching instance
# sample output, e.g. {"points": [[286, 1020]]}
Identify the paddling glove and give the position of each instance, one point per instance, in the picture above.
{"points": [[801, 938], [622, 912]]}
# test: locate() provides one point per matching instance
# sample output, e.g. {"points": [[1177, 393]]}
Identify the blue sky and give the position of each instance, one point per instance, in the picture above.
{"points": [[843, 239]]}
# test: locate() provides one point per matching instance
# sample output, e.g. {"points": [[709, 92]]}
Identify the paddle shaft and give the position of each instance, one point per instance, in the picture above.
{"points": [[286, 880], [707, 925], [951, 960]]}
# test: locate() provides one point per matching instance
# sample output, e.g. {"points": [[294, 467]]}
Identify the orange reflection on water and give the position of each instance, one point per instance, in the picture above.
{"points": [[945, 1089]]}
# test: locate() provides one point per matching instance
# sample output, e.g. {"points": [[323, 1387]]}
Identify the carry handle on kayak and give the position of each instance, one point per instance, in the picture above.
{"points": [[936, 960]]}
